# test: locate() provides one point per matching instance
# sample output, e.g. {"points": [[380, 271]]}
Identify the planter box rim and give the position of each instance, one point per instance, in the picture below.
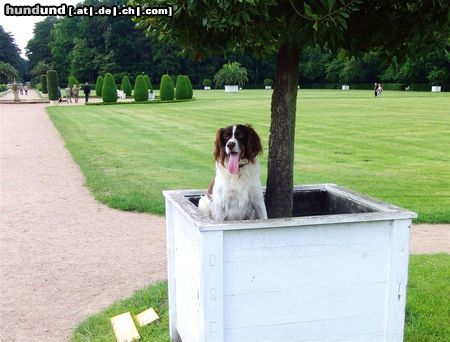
{"points": [[382, 211]]}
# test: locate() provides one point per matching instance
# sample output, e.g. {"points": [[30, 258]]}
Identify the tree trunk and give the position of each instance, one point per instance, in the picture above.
{"points": [[282, 134]]}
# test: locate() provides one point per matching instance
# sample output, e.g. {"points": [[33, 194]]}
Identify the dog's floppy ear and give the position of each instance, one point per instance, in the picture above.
{"points": [[253, 147], [219, 151]]}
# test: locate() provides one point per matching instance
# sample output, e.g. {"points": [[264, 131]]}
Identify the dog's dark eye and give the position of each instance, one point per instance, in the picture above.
{"points": [[226, 136]]}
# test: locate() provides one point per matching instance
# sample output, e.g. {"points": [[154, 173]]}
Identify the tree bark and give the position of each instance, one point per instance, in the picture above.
{"points": [[279, 199]]}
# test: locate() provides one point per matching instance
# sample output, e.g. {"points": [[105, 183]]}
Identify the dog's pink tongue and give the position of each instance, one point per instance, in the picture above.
{"points": [[233, 163]]}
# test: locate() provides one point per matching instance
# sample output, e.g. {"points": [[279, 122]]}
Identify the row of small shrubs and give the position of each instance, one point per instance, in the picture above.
{"points": [[107, 89]]}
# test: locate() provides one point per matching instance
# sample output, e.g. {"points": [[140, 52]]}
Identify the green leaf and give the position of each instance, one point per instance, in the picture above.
{"points": [[331, 4], [308, 10], [316, 26]]}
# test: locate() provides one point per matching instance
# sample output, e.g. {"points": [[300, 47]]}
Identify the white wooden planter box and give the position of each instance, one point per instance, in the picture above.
{"points": [[268, 87], [231, 88], [207, 87], [436, 89], [338, 272], [345, 87]]}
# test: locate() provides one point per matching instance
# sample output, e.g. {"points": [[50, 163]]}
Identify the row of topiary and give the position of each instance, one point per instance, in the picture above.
{"points": [[107, 89]]}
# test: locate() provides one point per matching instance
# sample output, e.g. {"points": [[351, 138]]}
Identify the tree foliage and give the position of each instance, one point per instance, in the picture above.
{"points": [[71, 81], [10, 53], [7, 72], [52, 85], [109, 89]]}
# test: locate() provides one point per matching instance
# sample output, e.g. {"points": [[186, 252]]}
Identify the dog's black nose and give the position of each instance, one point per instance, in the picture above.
{"points": [[231, 145]]}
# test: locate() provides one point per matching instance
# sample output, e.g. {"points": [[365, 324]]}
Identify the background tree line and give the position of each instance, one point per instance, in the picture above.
{"points": [[88, 47]]}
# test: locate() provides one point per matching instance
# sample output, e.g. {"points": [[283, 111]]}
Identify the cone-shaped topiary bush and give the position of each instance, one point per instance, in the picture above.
{"points": [[148, 83], [189, 84], [52, 85], [181, 88], [140, 89], [99, 86], [109, 89], [72, 80], [44, 84], [125, 86], [166, 91]]}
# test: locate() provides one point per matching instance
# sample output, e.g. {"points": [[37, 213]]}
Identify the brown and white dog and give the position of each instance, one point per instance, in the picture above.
{"points": [[235, 193]]}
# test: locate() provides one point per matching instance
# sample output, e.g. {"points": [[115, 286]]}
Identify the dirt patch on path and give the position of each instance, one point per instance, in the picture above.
{"points": [[63, 256], [430, 238]]}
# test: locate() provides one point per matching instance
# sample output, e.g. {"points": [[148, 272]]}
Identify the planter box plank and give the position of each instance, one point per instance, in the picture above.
{"points": [[336, 271]]}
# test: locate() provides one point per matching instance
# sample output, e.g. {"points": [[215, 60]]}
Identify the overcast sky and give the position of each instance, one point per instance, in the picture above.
{"points": [[22, 27]]}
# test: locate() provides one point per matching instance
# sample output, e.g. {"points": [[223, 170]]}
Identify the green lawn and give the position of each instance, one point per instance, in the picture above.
{"points": [[395, 148], [427, 309]]}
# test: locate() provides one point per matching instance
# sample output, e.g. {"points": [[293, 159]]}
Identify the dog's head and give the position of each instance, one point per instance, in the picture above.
{"points": [[236, 143]]}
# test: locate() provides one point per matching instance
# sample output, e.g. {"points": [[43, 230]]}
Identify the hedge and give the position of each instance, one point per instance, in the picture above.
{"points": [[181, 88], [109, 89], [166, 91], [125, 86], [99, 86], [189, 84], [140, 89], [44, 84], [206, 82], [148, 83], [52, 85]]}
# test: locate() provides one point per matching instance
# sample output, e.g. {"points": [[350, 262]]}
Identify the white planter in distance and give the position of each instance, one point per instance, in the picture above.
{"points": [[268, 87], [231, 88], [207, 88], [151, 96], [436, 89], [345, 87], [338, 272]]}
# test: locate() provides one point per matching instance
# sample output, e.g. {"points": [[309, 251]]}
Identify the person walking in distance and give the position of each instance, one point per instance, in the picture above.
{"points": [[75, 92], [68, 91], [375, 89], [87, 91]]}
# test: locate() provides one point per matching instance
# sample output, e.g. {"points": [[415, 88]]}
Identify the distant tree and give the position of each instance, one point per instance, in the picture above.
{"points": [[99, 86], [41, 68], [38, 49], [109, 89], [166, 91], [230, 74], [140, 89], [52, 85], [285, 28], [10, 53], [82, 60], [7, 72], [71, 81], [126, 85]]}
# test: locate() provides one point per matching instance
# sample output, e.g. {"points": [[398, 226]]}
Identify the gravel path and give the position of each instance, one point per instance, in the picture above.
{"points": [[64, 256]]}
